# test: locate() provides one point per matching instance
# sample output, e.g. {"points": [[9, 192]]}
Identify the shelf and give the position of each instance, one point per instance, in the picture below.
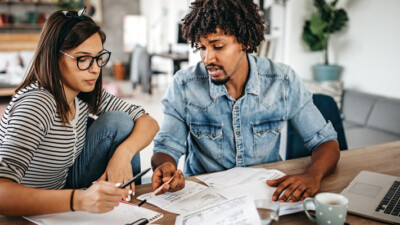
{"points": [[21, 26], [7, 91], [18, 42], [28, 3]]}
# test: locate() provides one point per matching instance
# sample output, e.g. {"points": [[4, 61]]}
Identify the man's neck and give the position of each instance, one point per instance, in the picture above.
{"points": [[237, 83]]}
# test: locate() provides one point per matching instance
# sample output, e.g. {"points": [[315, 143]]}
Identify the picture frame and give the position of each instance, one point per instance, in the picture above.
{"points": [[95, 10]]}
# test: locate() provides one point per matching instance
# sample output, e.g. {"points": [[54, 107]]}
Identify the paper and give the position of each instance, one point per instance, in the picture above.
{"points": [[261, 190], [251, 181], [239, 175], [193, 197], [240, 210], [229, 184], [122, 214]]}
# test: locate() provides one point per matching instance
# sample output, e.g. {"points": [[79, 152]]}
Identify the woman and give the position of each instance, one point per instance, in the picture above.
{"points": [[50, 152]]}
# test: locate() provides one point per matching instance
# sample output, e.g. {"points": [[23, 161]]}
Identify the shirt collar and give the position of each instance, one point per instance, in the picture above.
{"points": [[252, 84]]}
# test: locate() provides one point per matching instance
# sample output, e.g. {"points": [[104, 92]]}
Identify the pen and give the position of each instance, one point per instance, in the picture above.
{"points": [[156, 191], [135, 178]]}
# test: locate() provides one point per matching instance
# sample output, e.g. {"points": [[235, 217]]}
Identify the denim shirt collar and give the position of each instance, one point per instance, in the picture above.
{"points": [[252, 84]]}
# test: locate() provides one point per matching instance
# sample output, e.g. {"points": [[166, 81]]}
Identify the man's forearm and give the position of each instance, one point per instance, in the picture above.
{"points": [[160, 158], [324, 159]]}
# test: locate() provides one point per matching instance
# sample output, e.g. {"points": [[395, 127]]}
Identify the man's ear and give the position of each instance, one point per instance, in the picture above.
{"points": [[245, 48]]}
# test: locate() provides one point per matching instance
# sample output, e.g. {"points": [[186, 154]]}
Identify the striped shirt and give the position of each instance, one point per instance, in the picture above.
{"points": [[36, 149]]}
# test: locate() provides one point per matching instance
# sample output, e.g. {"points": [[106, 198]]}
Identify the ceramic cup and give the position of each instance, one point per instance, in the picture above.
{"points": [[330, 209]]}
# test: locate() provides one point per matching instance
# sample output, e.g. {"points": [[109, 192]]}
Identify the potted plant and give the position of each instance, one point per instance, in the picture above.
{"points": [[317, 31]]}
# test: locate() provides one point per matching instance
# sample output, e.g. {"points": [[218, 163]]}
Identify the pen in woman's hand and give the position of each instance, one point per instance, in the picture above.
{"points": [[135, 178]]}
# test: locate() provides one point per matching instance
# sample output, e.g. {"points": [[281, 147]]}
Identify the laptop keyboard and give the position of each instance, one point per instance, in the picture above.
{"points": [[390, 204]]}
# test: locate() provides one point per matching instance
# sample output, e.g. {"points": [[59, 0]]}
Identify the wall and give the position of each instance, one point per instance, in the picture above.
{"points": [[163, 17], [368, 49], [113, 14]]}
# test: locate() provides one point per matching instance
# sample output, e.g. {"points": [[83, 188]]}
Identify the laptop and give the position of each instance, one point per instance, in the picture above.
{"points": [[375, 196]]}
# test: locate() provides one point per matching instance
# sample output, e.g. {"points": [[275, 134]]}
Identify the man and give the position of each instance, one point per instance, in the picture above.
{"points": [[229, 109]]}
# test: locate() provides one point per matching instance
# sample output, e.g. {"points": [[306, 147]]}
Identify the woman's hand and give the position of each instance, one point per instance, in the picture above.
{"points": [[119, 169], [101, 197]]}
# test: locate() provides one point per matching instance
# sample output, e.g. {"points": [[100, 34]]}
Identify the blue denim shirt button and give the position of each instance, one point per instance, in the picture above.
{"points": [[239, 156], [198, 133], [236, 107], [237, 132], [213, 135], [277, 130], [261, 132]]}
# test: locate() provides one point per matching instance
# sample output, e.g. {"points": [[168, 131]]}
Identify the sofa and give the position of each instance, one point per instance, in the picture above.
{"points": [[370, 119]]}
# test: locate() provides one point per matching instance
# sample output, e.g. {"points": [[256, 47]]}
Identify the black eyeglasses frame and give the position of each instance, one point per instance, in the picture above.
{"points": [[91, 61]]}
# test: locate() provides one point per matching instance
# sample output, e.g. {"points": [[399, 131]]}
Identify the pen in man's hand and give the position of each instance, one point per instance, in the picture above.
{"points": [[156, 191], [135, 178]]}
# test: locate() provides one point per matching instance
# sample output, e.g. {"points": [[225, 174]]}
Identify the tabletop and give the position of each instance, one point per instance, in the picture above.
{"points": [[381, 158]]}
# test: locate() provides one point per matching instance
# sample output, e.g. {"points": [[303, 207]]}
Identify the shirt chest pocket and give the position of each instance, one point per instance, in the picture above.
{"points": [[208, 138], [266, 136]]}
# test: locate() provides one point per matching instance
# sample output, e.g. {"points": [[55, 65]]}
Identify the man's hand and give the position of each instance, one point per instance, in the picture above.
{"points": [[163, 173], [295, 187], [300, 186]]}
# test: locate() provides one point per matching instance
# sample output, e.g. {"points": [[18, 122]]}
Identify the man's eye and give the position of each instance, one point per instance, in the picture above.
{"points": [[218, 47]]}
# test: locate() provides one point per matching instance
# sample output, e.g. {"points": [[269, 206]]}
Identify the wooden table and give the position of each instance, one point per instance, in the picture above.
{"points": [[382, 158]]}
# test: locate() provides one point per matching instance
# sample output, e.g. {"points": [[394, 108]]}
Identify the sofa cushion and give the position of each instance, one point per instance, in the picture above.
{"points": [[385, 115], [357, 106], [349, 125], [362, 136], [332, 88]]}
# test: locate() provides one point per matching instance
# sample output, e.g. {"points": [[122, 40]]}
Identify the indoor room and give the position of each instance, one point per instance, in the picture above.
{"points": [[350, 64]]}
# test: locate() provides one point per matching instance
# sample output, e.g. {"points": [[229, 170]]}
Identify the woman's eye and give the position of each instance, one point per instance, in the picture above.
{"points": [[85, 59]]}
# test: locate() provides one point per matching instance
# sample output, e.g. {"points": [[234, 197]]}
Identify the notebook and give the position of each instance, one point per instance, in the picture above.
{"points": [[124, 213], [375, 196]]}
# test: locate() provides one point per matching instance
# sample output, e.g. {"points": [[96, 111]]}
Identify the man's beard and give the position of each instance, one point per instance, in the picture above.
{"points": [[221, 82]]}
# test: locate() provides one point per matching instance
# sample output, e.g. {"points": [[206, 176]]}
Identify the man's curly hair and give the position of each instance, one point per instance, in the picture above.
{"points": [[239, 18]]}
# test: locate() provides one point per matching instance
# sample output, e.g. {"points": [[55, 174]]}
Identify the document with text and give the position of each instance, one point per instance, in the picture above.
{"points": [[222, 186], [194, 196], [238, 176], [240, 210], [124, 213]]}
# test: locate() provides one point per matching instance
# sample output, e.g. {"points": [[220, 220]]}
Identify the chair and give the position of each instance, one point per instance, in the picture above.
{"points": [[140, 69], [330, 111]]}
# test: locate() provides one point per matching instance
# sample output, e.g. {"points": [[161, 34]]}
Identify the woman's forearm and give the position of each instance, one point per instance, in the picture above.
{"points": [[142, 135], [19, 200]]}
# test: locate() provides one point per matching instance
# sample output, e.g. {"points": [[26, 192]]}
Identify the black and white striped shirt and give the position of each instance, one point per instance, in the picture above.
{"points": [[36, 149]]}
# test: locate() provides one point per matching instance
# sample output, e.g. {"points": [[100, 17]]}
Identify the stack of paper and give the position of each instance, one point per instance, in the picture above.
{"points": [[223, 186]]}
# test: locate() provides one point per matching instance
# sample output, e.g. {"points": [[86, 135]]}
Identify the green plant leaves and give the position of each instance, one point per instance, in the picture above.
{"points": [[317, 24], [339, 20], [326, 20], [315, 42]]}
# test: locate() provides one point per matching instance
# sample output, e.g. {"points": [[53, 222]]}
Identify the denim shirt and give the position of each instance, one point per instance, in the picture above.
{"points": [[217, 132]]}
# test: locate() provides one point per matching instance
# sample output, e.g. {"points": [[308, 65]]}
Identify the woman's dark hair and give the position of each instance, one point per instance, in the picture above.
{"points": [[45, 69], [239, 18]]}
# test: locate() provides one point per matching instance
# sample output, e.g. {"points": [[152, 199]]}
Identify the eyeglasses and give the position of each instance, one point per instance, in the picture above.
{"points": [[86, 61]]}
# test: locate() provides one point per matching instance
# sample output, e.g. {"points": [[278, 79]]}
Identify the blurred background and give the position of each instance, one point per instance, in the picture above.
{"points": [[147, 49]]}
